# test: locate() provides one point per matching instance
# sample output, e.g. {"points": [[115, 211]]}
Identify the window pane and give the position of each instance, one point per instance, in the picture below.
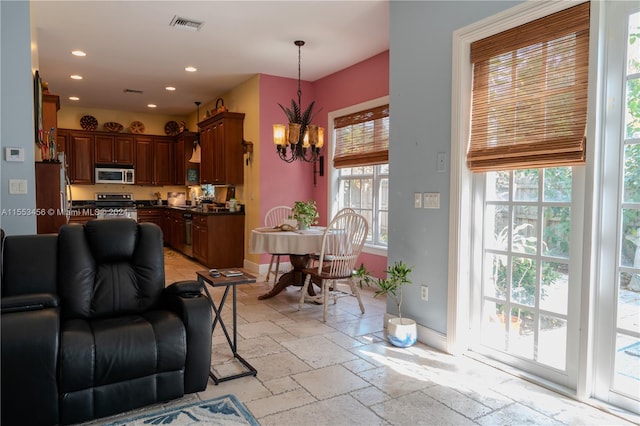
{"points": [[552, 343], [554, 293], [495, 282], [632, 118], [629, 303], [632, 171], [556, 231], [497, 226], [525, 185], [497, 188], [630, 247], [524, 280], [524, 238], [557, 184]]}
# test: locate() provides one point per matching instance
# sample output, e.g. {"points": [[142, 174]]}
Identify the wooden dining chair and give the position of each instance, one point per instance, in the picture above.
{"points": [[315, 257], [274, 217], [342, 243]]}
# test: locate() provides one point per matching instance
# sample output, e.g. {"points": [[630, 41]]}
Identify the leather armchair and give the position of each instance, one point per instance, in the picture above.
{"points": [[121, 338]]}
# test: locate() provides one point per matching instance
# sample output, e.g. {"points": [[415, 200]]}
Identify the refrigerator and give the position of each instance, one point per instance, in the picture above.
{"points": [[53, 195]]}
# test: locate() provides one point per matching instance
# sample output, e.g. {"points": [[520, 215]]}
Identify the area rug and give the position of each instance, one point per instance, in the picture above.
{"points": [[224, 410]]}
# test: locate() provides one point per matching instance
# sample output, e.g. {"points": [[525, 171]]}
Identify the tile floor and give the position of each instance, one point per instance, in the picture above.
{"points": [[343, 372]]}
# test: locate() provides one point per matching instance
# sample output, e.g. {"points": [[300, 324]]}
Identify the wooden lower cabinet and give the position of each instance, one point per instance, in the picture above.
{"points": [[218, 240], [80, 219], [152, 215]]}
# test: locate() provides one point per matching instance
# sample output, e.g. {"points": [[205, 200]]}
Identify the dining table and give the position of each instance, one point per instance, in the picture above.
{"points": [[298, 244]]}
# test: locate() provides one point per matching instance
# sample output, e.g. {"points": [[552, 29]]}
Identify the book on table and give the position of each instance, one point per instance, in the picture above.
{"points": [[231, 273]]}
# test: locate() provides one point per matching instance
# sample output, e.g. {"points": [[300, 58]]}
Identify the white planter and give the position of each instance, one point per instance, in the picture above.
{"points": [[402, 332]]}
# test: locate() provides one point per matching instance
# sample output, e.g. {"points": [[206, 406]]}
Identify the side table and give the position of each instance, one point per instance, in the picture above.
{"points": [[227, 283]]}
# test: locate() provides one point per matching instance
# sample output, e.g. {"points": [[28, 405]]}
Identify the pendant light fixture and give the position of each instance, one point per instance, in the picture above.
{"points": [[195, 156], [305, 139]]}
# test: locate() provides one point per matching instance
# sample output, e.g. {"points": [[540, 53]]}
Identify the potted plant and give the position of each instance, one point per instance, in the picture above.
{"points": [[305, 213], [401, 332]]}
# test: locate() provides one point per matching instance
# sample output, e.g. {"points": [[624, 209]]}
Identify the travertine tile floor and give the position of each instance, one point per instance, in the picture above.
{"points": [[343, 372]]}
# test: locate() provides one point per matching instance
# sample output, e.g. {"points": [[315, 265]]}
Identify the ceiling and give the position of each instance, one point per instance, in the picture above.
{"points": [[130, 45]]}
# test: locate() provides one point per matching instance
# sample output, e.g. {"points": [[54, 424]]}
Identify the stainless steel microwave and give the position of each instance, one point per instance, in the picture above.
{"points": [[115, 175]]}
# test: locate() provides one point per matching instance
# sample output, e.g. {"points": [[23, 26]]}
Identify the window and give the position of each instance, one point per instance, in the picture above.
{"points": [[361, 135]]}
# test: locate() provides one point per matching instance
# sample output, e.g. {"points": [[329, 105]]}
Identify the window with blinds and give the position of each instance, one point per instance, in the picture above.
{"points": [[529, 106], [362, 138]]}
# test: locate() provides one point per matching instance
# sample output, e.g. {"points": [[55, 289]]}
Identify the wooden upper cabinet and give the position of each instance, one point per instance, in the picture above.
{"points": [[186, 172], [114, 149], [222, 151], [81, 158], [154, 160]]}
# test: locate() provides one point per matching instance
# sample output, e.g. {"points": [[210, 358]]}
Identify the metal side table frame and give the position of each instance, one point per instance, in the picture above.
{"points": [[227, 282]]}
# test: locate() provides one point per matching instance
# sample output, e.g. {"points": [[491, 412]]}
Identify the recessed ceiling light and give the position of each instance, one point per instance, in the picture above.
{"points": [[191, 69], [170, 88], [76, 77], [74, 98], [152, 105], [78, 53]]}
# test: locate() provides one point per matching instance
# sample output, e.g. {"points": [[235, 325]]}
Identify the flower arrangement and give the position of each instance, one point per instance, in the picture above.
{"points": [[305, 213]]}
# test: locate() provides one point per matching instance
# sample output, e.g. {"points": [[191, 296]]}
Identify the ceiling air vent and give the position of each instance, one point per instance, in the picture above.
{"points": [[137, 92], [185, 24]]}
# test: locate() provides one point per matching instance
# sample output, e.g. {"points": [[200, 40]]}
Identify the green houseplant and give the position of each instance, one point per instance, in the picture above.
{"points": [[401, 332], [305, 213]]}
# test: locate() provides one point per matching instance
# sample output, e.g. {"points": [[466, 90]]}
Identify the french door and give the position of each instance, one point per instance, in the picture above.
{"points": [[617, 341], [527, 291]]}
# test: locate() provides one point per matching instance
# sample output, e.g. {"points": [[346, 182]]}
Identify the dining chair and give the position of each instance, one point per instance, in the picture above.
{"points": [[274, 217], [315, 257], [342, 243]]}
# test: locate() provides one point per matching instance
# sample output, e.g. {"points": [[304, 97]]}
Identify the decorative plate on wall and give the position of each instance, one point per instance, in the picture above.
{"points": [[172, 128], [136, 127], [112, 126], [88, 122]]}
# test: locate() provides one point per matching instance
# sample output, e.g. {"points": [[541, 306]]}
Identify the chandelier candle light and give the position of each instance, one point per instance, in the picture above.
{"points": [[305, 139]]}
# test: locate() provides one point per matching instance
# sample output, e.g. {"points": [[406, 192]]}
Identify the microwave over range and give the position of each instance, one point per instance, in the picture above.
{"points": [[118, 174]]}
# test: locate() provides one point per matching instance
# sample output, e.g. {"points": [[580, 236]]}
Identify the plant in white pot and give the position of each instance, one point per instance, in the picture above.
{"points": [[401, 332], [305, 213]]}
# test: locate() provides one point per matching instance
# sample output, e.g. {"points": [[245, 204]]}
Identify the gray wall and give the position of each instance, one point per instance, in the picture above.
{"points": [[16, 115], [420, 126]]}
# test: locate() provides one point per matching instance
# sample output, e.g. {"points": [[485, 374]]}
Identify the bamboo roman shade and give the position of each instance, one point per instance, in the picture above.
{"points": [[529, 106], [362, 138]]}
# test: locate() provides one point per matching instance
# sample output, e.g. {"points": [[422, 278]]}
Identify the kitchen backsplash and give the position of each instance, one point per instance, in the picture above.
{"points": [[87, 192]]}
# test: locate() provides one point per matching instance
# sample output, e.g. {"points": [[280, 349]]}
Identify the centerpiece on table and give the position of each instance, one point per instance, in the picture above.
{"points": [[305, 213]]}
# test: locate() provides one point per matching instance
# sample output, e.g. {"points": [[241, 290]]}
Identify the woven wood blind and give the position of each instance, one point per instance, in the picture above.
{"points": [[362, 138], [529, 106]]}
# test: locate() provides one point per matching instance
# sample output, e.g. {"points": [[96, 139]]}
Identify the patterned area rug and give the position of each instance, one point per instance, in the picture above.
{"points": [[224, 410]]}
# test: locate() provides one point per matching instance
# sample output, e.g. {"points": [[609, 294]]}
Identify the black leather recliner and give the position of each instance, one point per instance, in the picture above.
{"points": [[92, 315]]}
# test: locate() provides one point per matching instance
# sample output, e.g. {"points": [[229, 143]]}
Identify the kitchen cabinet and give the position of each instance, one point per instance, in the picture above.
{"points": [[114, 149], [79, 218], [166, 226], [153, 215], [80, 147], [177, 230], [154, 160], [186, 172], [218, 239], [50, 107], [222, 151], [51, 214]]}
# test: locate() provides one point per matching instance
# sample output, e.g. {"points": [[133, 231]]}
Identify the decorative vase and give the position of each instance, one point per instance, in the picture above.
{"points": [[302, 225], [402, 332]]}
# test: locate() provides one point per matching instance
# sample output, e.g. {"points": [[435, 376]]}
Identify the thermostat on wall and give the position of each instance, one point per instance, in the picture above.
{"points": [[14, 154]]}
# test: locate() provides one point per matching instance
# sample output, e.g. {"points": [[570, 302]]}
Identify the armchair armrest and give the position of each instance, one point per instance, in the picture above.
{"points": [[29, 302], [186, 300], [188, 289]]}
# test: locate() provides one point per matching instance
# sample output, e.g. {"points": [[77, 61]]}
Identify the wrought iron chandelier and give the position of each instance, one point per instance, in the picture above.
{"points": [[303, 138]]}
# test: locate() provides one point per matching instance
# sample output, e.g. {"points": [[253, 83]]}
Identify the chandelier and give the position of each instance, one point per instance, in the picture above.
{"points": [[303, 138]]}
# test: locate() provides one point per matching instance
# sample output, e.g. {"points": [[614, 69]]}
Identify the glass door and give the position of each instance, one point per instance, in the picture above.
{"points": [[528, 284], [618, 336]]}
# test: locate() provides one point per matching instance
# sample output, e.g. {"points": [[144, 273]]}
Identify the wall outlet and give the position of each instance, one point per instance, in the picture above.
{"points": [[424, 293]]}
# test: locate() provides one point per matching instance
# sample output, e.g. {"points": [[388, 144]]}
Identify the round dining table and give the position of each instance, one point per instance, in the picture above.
{"points": [[297, 244]]}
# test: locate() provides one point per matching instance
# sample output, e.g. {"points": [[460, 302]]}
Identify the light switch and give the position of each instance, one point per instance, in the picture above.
{"points": [[431, 200], [417, 200], [17, 186]]}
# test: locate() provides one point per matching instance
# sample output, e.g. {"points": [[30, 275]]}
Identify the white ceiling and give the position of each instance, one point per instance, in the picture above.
{"points": [[130, 45]]}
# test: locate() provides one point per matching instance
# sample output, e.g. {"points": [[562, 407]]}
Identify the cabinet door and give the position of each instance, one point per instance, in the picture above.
{"points": [[123, 150], [104, 149], [48, 196], [219, 166], [206, 155], [164, 164], [180, 161], [144, 161], [61, 142], [82, 159], [200, 244], [166, 227]]}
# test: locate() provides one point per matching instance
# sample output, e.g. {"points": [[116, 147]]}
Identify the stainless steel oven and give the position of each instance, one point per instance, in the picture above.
{"points": [[114, 205]]}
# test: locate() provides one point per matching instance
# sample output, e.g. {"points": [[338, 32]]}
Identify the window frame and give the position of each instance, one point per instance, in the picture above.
{"points": [[333, 184]]}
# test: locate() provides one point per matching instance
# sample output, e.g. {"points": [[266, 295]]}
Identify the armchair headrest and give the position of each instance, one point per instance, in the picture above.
{"points": [[111, 240]]}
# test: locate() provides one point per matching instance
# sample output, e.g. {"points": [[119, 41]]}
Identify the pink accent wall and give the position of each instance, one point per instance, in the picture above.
{"points": [[281, 183]]}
